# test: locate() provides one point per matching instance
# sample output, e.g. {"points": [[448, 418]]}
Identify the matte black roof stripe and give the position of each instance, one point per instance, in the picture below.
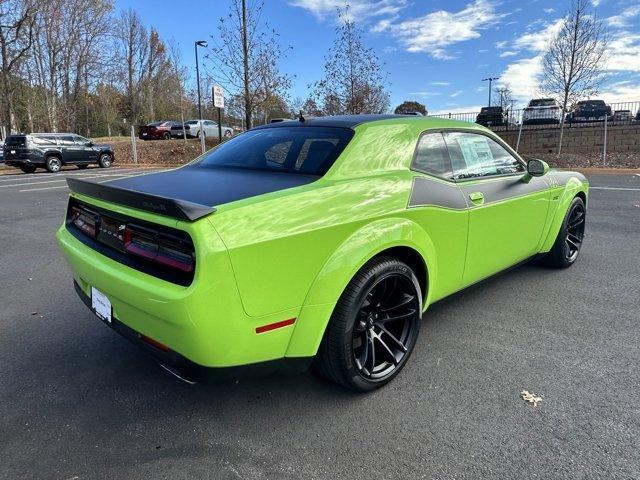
{"points": [[343, 121]]}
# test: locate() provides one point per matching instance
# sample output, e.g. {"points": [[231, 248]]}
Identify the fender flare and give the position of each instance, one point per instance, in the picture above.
{"points": [[360, 247], [572, 186]]}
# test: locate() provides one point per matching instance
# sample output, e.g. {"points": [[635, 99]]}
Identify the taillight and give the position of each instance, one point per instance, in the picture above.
{"points": [[84, 220], [158, 248]]}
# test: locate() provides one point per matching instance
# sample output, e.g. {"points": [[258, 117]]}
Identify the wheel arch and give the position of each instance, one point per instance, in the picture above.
{"points": [[397, 237], [576, 186]]}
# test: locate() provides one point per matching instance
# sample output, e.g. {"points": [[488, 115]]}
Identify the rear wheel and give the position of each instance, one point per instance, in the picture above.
{"points": [[373, 328], [166, 136], [105, 160], [27, 168], [53, 164], [567, 246]]}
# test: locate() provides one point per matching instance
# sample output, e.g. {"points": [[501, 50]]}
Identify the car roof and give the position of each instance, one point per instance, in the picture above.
{"points": [[352, 121], [58, 134]]}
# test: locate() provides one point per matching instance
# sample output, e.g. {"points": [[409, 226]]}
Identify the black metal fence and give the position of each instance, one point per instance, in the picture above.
{"points": [[622, 113]]}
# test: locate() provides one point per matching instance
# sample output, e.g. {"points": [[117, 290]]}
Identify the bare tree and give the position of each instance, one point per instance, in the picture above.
{"points": [[353, 81], [247, 57], [572, 64], [17, 19]]}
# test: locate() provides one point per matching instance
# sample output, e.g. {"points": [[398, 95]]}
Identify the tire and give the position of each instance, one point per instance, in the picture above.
{"points": [[569, 241], [53, 164], [166, 136], [200, 132], [381, 307], [27, 168], [82, 166], [105, 160]]}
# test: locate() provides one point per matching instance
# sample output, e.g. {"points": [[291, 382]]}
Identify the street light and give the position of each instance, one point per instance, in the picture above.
{"points": [[490, 80], [199, 43]]}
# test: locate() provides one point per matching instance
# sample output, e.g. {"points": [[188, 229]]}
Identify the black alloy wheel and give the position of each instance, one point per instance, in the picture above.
{"points": [[374, 326], [384, 327], [574, 231]]}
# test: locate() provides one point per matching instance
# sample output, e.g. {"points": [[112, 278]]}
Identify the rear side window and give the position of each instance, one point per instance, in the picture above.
{"points": [[431, 156], [309, 150], [44, 140], [473, 155]]}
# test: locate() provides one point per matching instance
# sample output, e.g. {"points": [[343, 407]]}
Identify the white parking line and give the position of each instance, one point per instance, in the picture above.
{"points": [[64, 173], [615, 188], [65, 186], [46, 181]]}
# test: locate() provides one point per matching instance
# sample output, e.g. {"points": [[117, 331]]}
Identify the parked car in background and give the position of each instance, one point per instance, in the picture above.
{"points": [[53, 150], [492, 117], [164, 130], [638, 116], [541, 111], [209, 127], [589, 111], [623, 116]]}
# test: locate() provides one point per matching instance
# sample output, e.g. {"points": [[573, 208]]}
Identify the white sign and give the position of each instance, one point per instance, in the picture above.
{"points": [[218, 96]]}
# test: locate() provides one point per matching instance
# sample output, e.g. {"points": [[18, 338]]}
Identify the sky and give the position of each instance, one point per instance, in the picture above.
{"points": [[436, 52]]}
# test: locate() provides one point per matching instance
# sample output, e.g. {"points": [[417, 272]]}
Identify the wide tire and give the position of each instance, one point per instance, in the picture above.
{"points": [[27, 168], [105, 160], [53, 164], [166, 136], [373, 328], [568, 243]]}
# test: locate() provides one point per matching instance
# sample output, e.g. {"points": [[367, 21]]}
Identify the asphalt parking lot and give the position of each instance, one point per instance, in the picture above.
{"points": [[79, 402]]}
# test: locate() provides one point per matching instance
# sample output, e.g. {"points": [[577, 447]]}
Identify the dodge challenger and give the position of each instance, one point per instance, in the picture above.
{"points": [[317, 242]]}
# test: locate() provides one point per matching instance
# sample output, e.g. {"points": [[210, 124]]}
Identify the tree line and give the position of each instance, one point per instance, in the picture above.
{"points": [[82, 66]]}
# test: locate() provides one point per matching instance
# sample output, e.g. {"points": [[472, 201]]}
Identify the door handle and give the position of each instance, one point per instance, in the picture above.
{"points": [[476, 197]]}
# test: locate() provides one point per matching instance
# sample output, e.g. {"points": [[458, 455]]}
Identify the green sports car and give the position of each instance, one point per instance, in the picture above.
{"points": [[314, 241]]}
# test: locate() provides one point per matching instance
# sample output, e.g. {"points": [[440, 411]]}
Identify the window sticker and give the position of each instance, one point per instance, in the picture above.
{"points": [[476, 151]]}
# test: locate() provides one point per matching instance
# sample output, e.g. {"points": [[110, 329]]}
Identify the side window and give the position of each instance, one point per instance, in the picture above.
{"points": [[474, 155], [66, 140], [79, 140], [208, 123], [432, 157]]}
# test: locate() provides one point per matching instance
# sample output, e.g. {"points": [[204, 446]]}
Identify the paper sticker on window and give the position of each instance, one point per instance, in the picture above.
{"points": [[475, 150]]}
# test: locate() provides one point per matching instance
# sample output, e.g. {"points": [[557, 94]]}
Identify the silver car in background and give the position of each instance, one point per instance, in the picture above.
{"points": [[541, 111], [208, 127]]}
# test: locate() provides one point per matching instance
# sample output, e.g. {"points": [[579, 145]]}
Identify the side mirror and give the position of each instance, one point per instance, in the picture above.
{"points": [[537, 168], [89, 143]]}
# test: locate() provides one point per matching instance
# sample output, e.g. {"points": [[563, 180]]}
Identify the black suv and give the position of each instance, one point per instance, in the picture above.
{"points": [[53, 150], [492, 117], [590, 111]]}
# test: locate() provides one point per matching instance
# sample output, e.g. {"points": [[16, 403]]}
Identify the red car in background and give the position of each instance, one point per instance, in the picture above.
{"points": [[164, 130]]}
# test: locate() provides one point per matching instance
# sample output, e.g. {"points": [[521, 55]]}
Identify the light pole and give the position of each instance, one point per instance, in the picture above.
{"points": [[199, 43], [490, 80]]}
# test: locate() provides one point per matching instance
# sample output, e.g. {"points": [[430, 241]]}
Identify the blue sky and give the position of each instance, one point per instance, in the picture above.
{"points": [[435, 52]]}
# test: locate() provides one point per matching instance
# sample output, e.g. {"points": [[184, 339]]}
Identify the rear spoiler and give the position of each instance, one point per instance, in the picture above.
{"points": [[170, 207]]}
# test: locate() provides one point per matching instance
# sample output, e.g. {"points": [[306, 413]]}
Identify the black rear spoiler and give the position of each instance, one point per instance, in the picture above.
{"points": [[170, 207]]}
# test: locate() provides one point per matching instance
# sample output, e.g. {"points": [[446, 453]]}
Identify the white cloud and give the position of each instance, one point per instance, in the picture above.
{"points": [[624, 53], [443, 84], [455, 94], [508, 53], [425, 94], [434, 32], [537, 41], [522, 77], [501, 44], [358, 9], [625, 17], [621, 92], [548, 10]]}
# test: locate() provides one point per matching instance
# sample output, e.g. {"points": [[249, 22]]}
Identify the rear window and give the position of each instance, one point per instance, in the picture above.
{"points": [[542, 102], [592, 103], [491, 110], [154, 124], [308, 150], [16, 141]]}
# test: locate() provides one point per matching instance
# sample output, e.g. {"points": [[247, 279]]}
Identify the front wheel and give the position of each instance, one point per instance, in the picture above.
{"points": [[373, 328], [53, 164], [105, 160], [567, 246]]}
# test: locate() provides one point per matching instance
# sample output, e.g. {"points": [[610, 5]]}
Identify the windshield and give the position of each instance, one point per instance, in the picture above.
{"points": [[309, 150], [544, 102]]}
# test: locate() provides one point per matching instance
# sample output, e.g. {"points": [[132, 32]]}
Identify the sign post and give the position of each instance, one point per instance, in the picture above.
{"points": [[218, 102]]}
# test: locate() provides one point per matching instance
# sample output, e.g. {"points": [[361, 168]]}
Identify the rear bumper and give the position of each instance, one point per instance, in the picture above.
{"points": [[203, 323], [21, 162], [186, 369]]}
